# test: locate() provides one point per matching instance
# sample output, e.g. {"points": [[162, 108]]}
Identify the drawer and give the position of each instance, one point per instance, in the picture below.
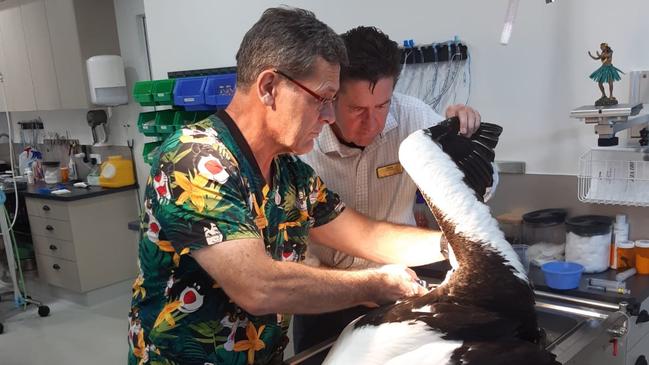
{"points": [[53, 247], [47, 209], [50, 228], [59, 272]]}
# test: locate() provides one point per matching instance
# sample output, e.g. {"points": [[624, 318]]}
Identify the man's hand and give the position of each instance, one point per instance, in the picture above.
{"points": [[397, 282], [469, 118]]}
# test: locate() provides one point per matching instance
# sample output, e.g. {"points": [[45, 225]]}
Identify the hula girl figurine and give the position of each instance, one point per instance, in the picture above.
{"points": [[606, 73]]}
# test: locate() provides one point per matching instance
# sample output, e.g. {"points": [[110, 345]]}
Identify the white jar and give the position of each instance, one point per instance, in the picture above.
{"points": [[588, 242], [51, 172]]}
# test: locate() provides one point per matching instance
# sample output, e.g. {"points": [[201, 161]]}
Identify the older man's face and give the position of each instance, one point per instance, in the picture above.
{"points": [[301, 116]]}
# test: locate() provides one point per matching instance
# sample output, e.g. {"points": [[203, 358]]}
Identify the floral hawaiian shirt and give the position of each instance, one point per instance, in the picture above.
{"points": [[205, 188]]}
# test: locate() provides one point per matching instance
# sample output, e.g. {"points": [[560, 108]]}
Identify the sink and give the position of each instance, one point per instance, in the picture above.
{"points": [[557, 326]]}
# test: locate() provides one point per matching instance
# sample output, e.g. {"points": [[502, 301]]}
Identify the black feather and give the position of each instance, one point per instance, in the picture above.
{"points": [[472, 155]]}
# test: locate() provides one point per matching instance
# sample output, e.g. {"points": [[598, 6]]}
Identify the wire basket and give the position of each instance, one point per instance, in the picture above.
{"points": [[614, 176]]}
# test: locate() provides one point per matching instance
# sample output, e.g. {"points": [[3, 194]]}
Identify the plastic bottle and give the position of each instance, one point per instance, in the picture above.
{"points": [[30, 175], [620, 234], [72, 169]]}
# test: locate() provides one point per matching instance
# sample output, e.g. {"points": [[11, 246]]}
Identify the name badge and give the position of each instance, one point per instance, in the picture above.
{"points": [[389, 170]]}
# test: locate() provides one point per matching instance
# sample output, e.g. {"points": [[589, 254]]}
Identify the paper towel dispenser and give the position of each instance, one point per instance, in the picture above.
{"points": [[107, 80]]}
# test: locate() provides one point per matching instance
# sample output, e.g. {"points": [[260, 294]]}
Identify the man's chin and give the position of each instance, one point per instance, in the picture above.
{"points": [[303, 148]]}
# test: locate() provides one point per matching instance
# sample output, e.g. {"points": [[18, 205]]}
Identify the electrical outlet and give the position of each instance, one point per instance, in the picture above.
{"points": [[638, 93], [96, 156]]}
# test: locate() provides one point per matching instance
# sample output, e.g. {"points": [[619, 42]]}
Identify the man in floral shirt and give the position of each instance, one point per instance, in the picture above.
{"points": [[229, 209]]}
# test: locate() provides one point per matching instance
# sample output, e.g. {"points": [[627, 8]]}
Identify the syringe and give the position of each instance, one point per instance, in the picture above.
{"points": [[608, 286]]}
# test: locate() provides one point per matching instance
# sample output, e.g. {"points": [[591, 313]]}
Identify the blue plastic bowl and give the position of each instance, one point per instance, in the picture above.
{"points": [[562, 275]]}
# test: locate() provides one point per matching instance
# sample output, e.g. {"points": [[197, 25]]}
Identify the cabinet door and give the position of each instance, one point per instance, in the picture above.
{"points": [[39, 49], [15, 63], [70, 67]]}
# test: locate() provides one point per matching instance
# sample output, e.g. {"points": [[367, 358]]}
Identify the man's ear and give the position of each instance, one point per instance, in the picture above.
{"points": [[266, 83]]}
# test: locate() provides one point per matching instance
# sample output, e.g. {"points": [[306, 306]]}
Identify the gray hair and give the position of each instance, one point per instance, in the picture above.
{"points": [[289, 39]]}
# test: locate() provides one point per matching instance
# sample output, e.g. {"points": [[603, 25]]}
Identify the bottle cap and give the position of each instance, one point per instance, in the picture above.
{"points": [[625, 244], [642, 243]]}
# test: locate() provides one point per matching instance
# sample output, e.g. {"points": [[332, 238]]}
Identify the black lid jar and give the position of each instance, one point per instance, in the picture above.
{"points": [[588, 241], [546, 225]]}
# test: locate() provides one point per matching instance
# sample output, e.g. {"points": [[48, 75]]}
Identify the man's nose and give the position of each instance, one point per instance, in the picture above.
{"points": [[327, 114]]}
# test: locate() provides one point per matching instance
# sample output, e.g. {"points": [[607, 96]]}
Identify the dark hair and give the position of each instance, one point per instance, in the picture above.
{"points": [[372, 56], [289, 39]]}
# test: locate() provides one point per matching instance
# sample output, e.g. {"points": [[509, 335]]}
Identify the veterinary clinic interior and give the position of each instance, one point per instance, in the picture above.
{"points": [[324, 182]]}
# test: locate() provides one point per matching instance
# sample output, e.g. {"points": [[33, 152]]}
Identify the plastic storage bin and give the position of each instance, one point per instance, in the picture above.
{"points": [[220, 89], [588, 241], [163, 92], [562, 275], [146, 124], [190, 93], [143, 93], [164, 122], [149, 151], [546, 225]]}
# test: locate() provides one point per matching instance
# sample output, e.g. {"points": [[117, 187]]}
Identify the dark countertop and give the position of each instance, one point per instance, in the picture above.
{"points": [[36, 191], [638, 284]]}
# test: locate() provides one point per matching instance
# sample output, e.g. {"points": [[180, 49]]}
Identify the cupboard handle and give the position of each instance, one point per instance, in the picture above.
{"points": [[49, 228], [53, 248], [46, 208], [56, 267]]}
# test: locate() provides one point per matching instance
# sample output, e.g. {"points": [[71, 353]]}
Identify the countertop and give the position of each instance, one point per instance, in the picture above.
{"points": [[637, 284], [40, 191]]}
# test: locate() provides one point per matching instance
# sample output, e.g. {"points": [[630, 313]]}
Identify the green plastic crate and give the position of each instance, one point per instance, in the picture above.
{"points": [[146, 124], [183, 118], [164, 122], [150, 150], [163, 92], [143, 93]]}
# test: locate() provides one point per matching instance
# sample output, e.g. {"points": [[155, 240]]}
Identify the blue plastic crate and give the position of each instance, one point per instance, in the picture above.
{"points": [[190, 93], [219, 89]]}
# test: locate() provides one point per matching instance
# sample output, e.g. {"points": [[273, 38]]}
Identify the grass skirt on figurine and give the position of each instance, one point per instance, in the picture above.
{"points": [[606, 73]]}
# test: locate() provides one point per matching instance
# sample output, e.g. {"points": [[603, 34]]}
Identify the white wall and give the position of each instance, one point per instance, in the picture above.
{"points": [[132, 47], [528, 87]]}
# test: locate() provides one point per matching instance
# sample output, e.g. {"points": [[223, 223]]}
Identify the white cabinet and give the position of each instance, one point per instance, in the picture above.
{"points": [[15, 66], [85, 244], [39, 50], [43, 48]]}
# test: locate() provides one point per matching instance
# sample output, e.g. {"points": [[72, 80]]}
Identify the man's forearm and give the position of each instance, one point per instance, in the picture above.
{"points": [[380, 242], [289, 287], [414, 246]]}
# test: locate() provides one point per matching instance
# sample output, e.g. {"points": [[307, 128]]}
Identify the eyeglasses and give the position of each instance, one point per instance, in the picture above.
{"points": [[323, 101]]}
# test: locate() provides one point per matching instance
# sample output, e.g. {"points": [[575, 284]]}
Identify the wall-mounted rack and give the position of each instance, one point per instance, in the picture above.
{"points": [[440, 52]]}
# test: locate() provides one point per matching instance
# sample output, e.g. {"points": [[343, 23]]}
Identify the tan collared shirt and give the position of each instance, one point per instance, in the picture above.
{"points": [[371, 180]]}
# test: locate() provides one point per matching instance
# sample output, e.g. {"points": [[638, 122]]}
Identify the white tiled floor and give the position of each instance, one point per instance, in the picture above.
{"points": [[72, 334]]}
